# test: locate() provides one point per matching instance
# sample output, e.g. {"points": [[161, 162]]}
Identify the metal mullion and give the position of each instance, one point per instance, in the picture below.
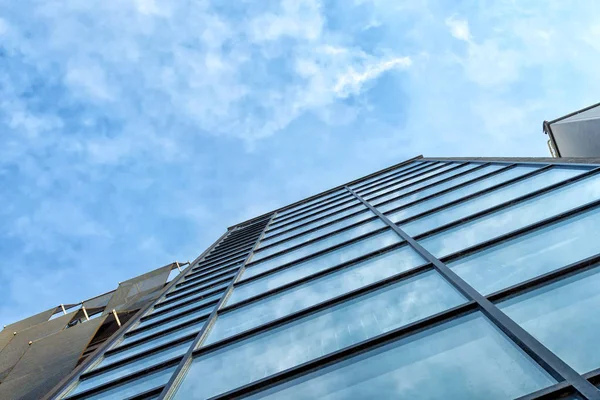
{"points": [[436, 183], [312, 241], [306, 206], [404, 178], [307, 217], [442, 192], [148, 394], [135, 357], [136, 331], [545, 279], [309, 278], [166, 309], [406, 175], [206, 276], [312, 255], [473, 195], [315, 308], [208, 272], [318, 209], [550, 392], [593, 375], [390, 188], [242, 236], [70, 379], [227, 258], [211, 291], [312, 213], [510, 160], [199, 286], [348, 352], [206, 266], [503, 206], [200, 337], [396, 174], [228, 253], [536, 350], [124, 379], [335, 221], [230, 248], [207, 269], [321, 218], [158, 312]]}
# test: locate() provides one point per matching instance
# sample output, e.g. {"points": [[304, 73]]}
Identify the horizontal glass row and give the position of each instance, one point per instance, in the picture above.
{"points": [[310, 202], [385, 175], [403, 177], [314, 247], [326, 207]]}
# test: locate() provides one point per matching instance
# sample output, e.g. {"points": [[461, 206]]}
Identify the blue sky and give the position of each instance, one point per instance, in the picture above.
{"points": [[134, 132]]}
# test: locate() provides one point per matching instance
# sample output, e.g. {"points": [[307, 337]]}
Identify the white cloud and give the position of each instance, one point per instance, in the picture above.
{"points": [[459, 28], [352, 81]]}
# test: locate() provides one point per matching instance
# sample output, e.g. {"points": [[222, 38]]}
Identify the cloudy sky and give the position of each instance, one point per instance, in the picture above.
{"points": [[132, 133]]}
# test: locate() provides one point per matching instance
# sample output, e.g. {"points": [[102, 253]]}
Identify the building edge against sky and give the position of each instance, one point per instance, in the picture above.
{"points": [[445, 264]]}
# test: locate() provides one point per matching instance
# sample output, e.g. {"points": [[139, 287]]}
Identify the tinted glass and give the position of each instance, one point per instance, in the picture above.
{"points": [[314, 201], [489, 200], [399, 170], [437, 188], [178, 310], [319, 334], [432, 180], [467, 358], [323, 244], [513, 217], [292, 232], [131, 368], [314, 265], [199, 299], [528, 256], [324, 207], [312, 235], [164, 327], [563, 316], [314, 292], [137, 386]]}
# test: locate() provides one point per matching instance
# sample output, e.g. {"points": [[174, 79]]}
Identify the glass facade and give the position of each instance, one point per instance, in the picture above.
{"points": [[435, 278]]}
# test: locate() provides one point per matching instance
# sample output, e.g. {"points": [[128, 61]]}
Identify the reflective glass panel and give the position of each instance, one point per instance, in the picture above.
{"points": [[513, 217], [310, 211], [137, 386], [314, 292], [312, 235], [408, 176], [528, 256], [397, 171], [163, 327], [180, 297], [314, 201], [199, 300], [467, 358], [312, 217], [489, 200], [314, 265], [430, 181], [435, 189], [318, 334], [177, 310], [370, 195], [292, 232], [151, 344], [459, 193], [310, 208], [131, 368], [563, 316], [322, 244]]}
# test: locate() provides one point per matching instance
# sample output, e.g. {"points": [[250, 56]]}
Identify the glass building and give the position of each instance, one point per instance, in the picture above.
{"points": [[431, 279]]}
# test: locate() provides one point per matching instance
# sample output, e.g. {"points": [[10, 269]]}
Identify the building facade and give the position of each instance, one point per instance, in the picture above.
{"points": [[576, 134], [431, 279]]}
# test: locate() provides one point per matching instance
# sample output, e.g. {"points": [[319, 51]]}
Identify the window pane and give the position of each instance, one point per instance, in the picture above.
{"points": [[467, 358], [437, 178], [318, 215], [460, 193], [137, 386], [313, 210], [316, 335], [131, 368], [437, 188], [489, 200], [164, 327], [314, 201], [312, 235], [161, 317], [151, 344], [401, 184], [312, 225], [405, 176], [314, 265], [199, 301], [563, 316], [513, 217], [528, 256], [398, 170], [323, 244], [314, 292]]}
